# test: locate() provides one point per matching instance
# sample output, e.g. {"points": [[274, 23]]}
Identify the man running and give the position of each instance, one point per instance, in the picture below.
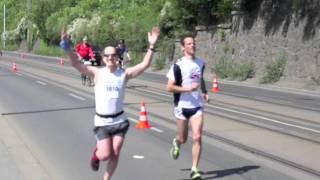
{"points": [[110, 122], [184, 79]]}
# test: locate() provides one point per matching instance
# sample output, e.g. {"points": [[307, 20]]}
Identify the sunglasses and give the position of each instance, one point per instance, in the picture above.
{"points": [[110, 55]]}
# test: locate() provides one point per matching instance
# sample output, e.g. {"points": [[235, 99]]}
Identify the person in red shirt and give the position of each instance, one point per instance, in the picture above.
{"points": [[86, 56], [84, 50]]}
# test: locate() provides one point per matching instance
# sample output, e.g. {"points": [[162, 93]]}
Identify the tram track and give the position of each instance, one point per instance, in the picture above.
{"points": [[249, 117], [154, 92], [212, 106], [238, 145], [266, 99]]}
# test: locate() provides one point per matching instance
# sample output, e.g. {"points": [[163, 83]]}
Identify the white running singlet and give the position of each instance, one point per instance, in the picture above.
{"points": [[109, 96], [191, 71]]}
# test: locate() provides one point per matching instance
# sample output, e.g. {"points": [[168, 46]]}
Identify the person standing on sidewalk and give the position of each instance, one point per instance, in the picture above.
{"points": [[185, 79], [111, 124]]}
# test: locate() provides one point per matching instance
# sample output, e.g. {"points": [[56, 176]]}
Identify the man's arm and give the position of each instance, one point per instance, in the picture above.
{"points": [[138, 69], [172, 87], [203, 87], [86, 70]]}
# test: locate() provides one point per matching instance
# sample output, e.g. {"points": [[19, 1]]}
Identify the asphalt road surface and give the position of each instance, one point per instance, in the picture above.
{"points": [[53, 114]]}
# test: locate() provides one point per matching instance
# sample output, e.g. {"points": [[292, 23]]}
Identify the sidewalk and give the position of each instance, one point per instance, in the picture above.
{"points": [[16, 160]]}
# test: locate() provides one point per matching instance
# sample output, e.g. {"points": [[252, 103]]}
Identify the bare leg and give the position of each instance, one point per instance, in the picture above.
{"points": [[182, 133], [196, 123], [117, 142], [104, 149]]}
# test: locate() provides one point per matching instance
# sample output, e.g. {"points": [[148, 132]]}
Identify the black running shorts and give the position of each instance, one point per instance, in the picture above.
{"points": [[103, 132]]}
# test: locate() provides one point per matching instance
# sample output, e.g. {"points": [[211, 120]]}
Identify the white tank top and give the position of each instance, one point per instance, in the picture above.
{"points": [[109, 96]]}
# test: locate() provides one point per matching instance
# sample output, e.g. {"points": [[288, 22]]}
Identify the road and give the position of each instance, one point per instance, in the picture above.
{"points": [[247, 136]]}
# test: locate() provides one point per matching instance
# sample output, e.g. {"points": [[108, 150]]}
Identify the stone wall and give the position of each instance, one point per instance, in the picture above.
{"points": [[264, 35]]}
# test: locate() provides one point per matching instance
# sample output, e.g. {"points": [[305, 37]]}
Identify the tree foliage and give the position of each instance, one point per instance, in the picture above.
{"points": [[180, 16], [105, 21]]}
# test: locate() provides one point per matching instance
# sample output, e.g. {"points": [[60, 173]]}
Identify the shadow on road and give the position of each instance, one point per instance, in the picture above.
{"points": [[224, 172], [46, 110]]}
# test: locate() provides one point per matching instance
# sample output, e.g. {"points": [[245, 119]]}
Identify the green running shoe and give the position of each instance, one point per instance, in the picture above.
{"points": [[195, 174], [175, 150]]}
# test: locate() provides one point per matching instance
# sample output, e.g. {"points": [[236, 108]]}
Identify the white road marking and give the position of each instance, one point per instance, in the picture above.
{"points": [[252, 115], [153, 128], [138, 157], [77, 97], [156, 129], [42, 83]]}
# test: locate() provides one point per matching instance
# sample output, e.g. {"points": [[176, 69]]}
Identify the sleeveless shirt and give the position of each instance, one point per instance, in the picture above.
{"points": [[109, 96], [191, 72]]}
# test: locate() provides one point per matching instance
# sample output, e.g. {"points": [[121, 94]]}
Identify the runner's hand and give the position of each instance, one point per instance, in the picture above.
{"points": [[153, 35], [206, 97]]}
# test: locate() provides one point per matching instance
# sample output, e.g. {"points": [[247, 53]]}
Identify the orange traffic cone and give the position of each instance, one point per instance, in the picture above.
{"points": [[143, 123], [14, 67], [61, 61], [215, 87]]}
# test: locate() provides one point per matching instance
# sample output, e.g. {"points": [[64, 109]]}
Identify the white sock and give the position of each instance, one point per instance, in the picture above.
{"points": [[194, 168]]}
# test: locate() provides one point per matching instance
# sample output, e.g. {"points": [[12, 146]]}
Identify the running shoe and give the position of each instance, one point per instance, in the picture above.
{"points": [[94, 161], [195, 174], [175, 150]]}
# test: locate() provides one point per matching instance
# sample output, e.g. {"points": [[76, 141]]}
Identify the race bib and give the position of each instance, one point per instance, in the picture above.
{"points": [[113, 90]]}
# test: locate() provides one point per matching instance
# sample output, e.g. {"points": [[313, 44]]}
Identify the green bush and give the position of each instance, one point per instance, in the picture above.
{"points": [[158, 64], [44, 49], [274, 70], [222, 34], [230, 69], [222, 67], [223, 10], [247, 70], [11, 47], [136, 57], [243, 71]]}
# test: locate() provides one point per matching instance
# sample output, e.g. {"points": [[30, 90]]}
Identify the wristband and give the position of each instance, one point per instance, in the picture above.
{"points": [[151, 49]]}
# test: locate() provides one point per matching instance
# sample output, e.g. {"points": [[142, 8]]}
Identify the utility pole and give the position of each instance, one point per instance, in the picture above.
{"points": [[29, 32], [4, 26]]}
